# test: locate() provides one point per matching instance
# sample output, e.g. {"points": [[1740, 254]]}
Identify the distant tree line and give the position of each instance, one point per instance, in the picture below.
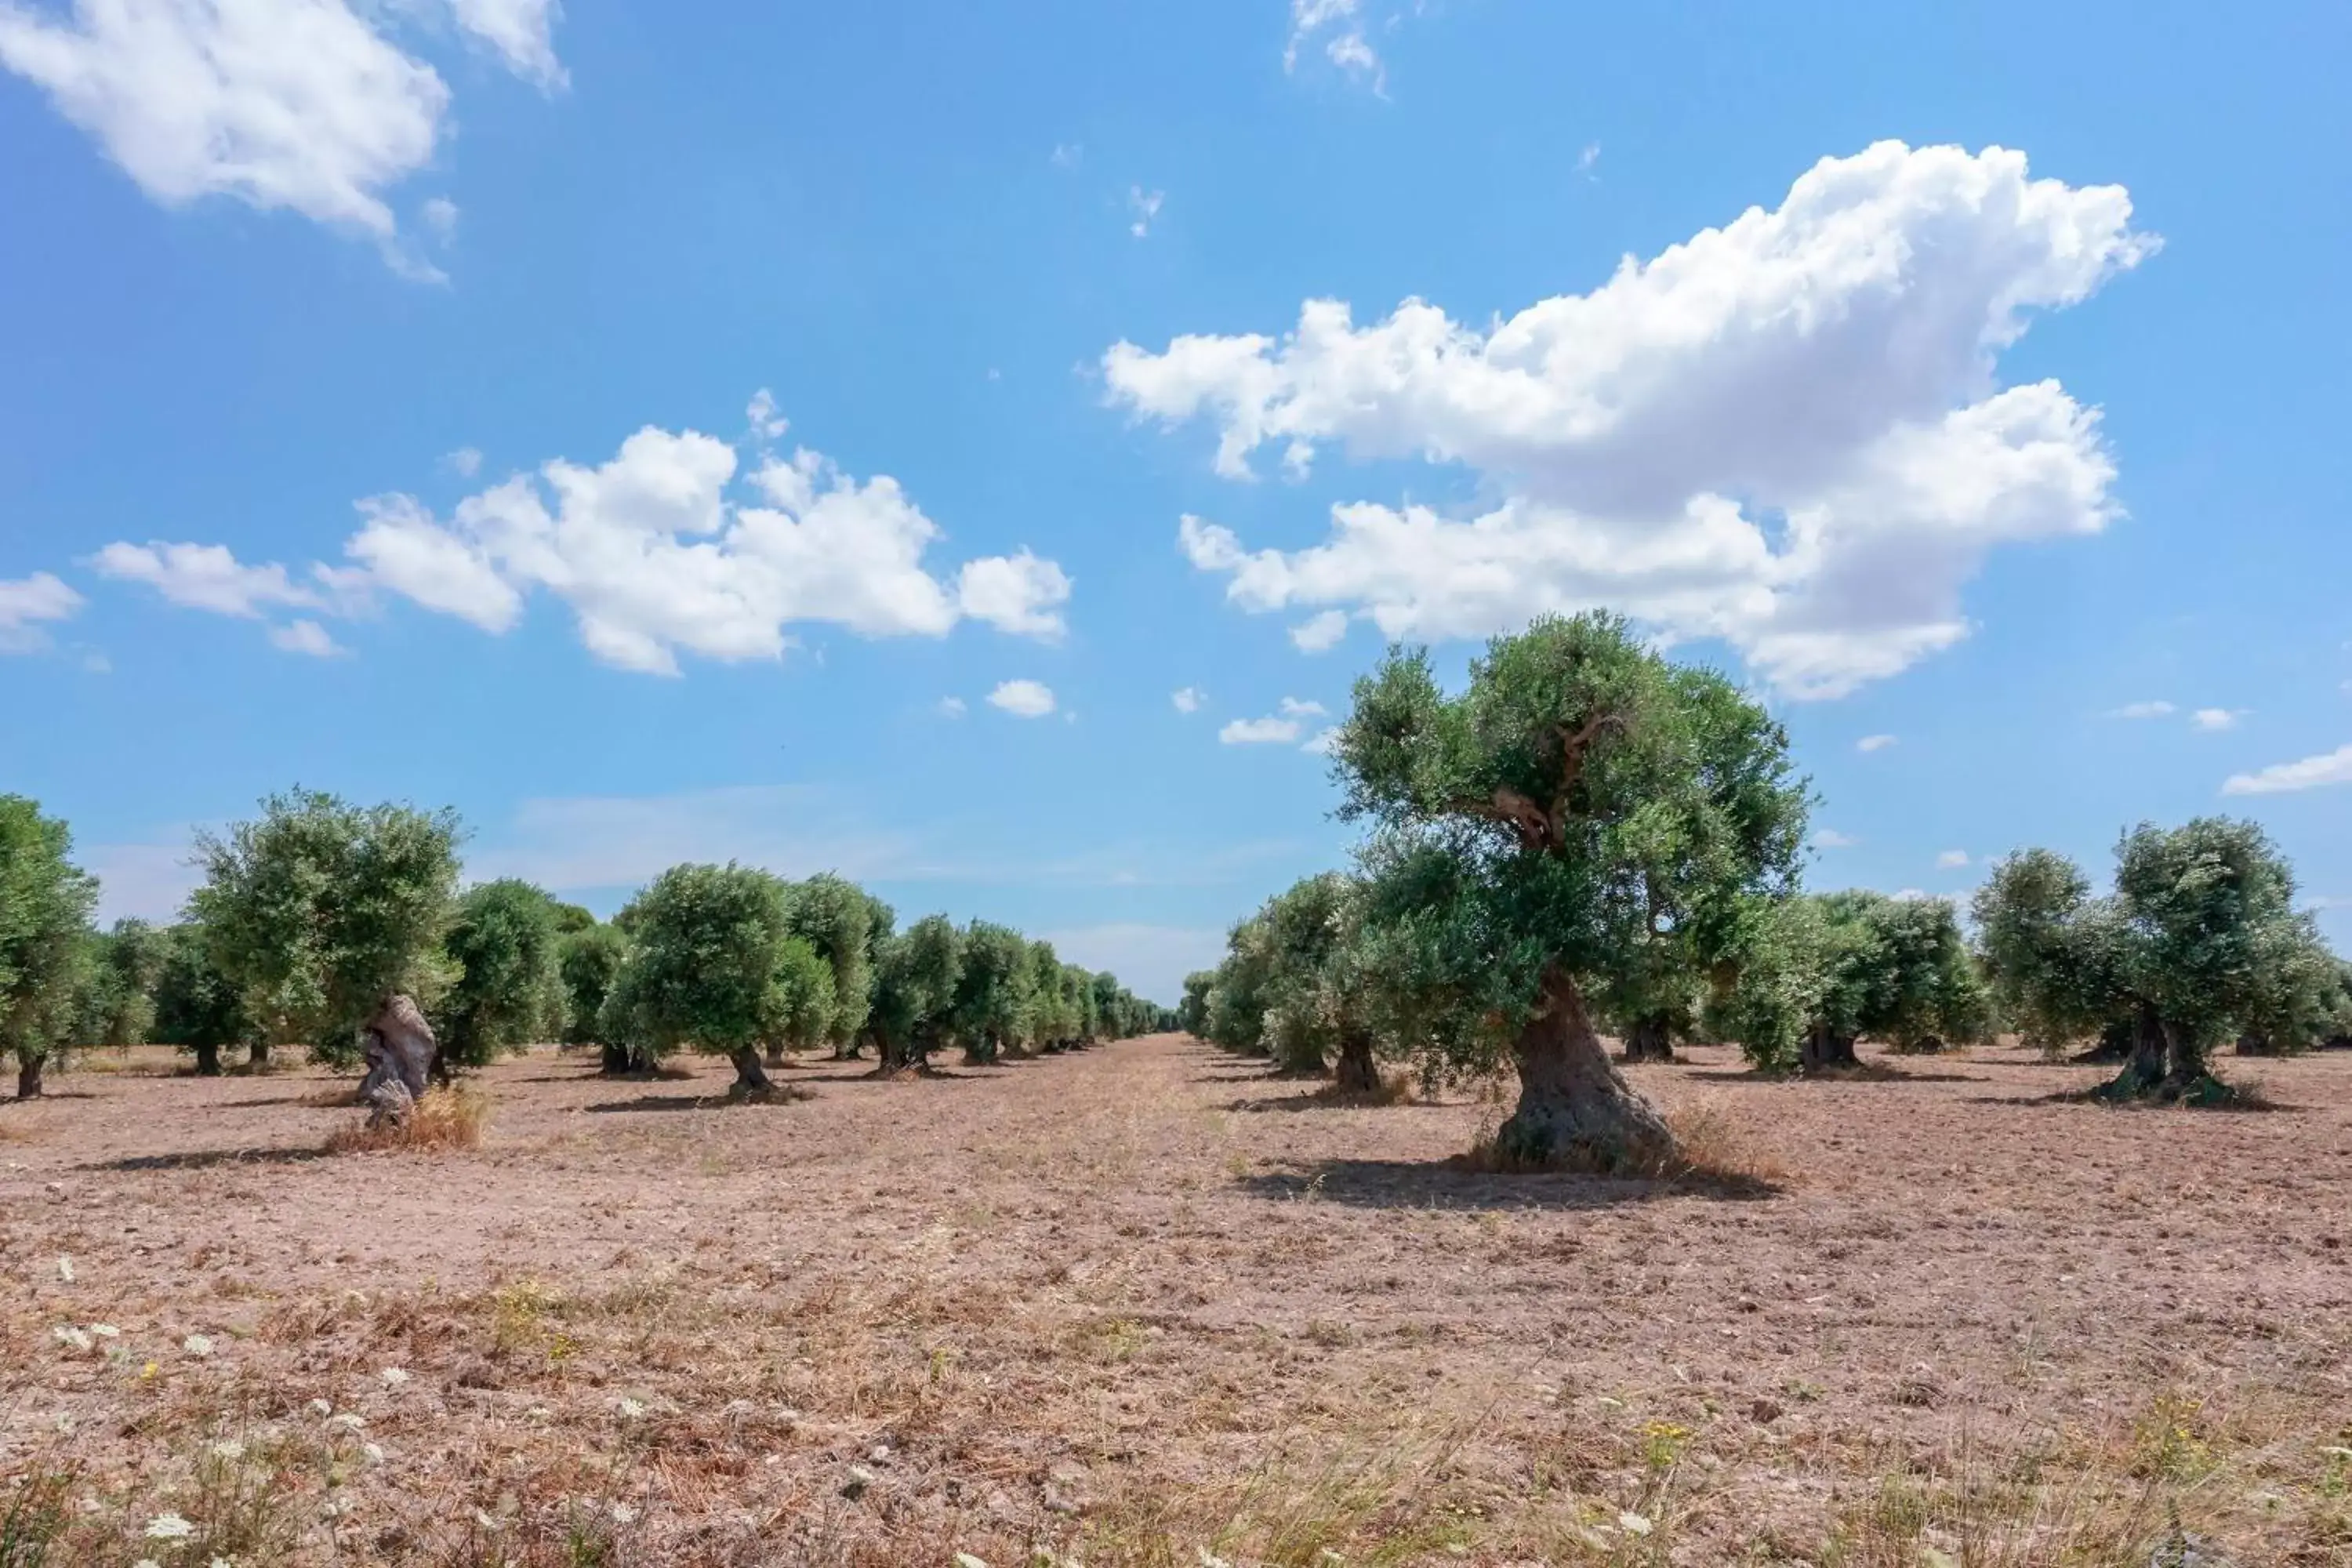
{"points": [[314, 912], [1588, 837]]}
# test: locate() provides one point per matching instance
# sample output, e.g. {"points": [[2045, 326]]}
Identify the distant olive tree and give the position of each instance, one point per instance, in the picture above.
{"points": [[504, 943], [198, 1008], [994, 996], [1532, 837], [590, 961], [1819, 973], [130, 958], [840, 923], [915, 976], [709, 968], [45, 940], [2198, 943], [320, 911]]}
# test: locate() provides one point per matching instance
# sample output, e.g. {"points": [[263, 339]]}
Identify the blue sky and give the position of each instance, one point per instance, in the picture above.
{"points": [[466, 350]]}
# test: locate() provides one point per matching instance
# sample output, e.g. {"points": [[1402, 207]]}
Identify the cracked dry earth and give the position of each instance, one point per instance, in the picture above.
{"points": [[1146, 1305]]}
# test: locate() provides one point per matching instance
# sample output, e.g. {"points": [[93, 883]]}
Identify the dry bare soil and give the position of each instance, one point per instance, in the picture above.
{"points": [[1146, 1305]]}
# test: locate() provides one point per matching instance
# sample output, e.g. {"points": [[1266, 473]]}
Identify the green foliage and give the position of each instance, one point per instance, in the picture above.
{"points": [[1816, 973], [706, 968], [198, 1008], [319, 909], [588, 962], [1582, 820], [504, 943], [995, 994], [46, 943], [840, 923], [1053, 1015], [130, 962], [1192, 1013], [2200, 943], [915, 976]]}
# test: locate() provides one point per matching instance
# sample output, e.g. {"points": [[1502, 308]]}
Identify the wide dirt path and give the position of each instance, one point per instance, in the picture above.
{"points": [[1144, 1301]]}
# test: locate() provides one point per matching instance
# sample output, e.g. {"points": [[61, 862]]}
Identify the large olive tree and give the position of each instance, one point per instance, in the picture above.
{"points": [[45, 940], [916, 976], [995, 994], [1536, 833], [841, 921], [590, 961], [319, 912]]}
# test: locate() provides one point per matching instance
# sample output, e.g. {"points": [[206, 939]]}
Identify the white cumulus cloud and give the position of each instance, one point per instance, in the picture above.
{"points": [[207, 577], [1869, 743], [659, 551], [27, 602], [2158, 710], [1320, 633], [1189, 700], [1023, 698], [1951, 860], [1266, 732], [307, 637], [2216, 717], [1787, 432], [2312, 773], [303, 105]]}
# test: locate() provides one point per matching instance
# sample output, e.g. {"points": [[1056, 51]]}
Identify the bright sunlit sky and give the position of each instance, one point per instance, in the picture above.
{"points": [[975, 447]]}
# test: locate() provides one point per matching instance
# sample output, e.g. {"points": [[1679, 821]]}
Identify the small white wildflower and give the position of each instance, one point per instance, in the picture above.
{"points": [[624, 1514], [64, 1270], [486, 1522], [630, 1409], [146, 1562], [223, 1562], [169, 1527], [347, 1421], [540, 1412], [106, 1331], [1210, 1560], [229, 1449], [66, 1334], [393, 1375], [321, 1409], [966, 1560], [374, 1452], [66, 1424], [198, 1345], [1634, 1523], [336, 1507]]}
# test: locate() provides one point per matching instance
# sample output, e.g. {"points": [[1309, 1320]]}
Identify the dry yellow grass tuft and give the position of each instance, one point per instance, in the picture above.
{"points": [[451, 1118]]}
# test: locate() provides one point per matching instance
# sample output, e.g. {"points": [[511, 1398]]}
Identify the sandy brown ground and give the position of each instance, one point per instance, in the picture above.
{"points": [[1145, 1304]]}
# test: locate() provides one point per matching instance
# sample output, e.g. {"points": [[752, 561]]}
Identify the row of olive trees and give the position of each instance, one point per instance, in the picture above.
{"points": [[312, 914], [1587, 837]]}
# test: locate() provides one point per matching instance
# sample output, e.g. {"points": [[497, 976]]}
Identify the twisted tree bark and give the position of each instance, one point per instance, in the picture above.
{"points": [[1575, 1109]]}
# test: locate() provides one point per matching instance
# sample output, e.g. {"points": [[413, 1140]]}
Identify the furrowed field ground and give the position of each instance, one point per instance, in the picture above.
{"points": [[1146, 1305]]}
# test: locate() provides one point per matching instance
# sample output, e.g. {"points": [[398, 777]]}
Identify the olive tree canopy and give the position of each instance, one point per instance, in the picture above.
{"points": [[505, 943], [44, 947], [320, 911], [1536, 836]]}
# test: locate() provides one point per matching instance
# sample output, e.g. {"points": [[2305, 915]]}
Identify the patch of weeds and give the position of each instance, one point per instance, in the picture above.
{"points": [[520, 1324], [33, 1516], [451, 1118], [2167, 1443]]}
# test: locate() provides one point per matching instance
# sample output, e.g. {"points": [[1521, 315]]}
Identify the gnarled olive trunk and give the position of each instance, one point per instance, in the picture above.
{"points": [[209, 1059], [398, 1046], [260, 1054], [1356, 1072], [612, 1060], [1575, 1109], [1649, 1041], [29, 1077], [750, 1078], [2143, 1074], [1825, 1047]]}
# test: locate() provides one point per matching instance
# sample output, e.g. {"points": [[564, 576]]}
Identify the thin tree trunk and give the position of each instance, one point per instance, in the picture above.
{"points": [[209, 1059], [1649, 1041], [2251, 1045], [750, 1078], [260, 1054], [29, 1077], [614, 1059], [1357, 1073], [1575, 1109]]}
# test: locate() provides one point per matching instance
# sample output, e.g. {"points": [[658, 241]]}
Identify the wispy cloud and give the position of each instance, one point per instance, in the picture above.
{"points": [[1831, 838], [2283, 778], [1145, 206], [1189, 700], [2216, 717], [1951, 860], [1023, 698], [1869, 743], [2158, 710]]}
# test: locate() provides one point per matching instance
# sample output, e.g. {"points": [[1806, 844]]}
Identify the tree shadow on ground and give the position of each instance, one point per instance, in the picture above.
{"points": [[2245, 1105], [1328, 1098], [1868, 1074], [1415, 1185], [783, 1094], [208, 1158]]}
